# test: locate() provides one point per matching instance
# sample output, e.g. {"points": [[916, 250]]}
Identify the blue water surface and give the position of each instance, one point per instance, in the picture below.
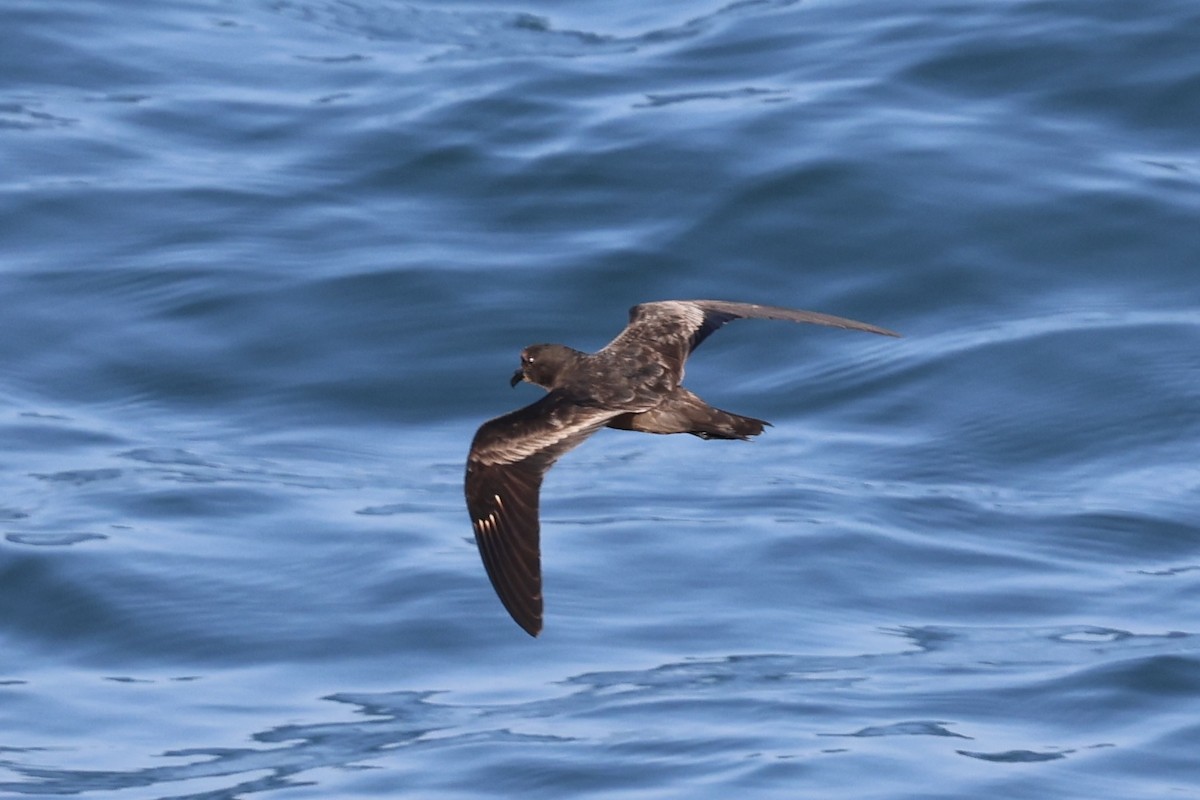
{"points": [[268, 265]]}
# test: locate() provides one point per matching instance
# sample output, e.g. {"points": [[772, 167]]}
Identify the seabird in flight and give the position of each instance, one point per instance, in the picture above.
{"points": [[633, 383]]}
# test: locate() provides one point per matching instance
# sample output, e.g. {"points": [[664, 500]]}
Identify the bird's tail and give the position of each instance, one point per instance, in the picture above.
{"points": [[684, 412]]}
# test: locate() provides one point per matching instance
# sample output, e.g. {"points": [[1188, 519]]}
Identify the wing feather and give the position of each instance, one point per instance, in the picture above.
{"points": [[674, 328], [508, 459]]}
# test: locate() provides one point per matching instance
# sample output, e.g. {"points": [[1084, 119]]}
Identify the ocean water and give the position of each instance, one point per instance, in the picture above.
{"points": [[267, 265]]}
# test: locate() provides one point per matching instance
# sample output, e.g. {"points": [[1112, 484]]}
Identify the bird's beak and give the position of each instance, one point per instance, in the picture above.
{"points": [[517, 377]]}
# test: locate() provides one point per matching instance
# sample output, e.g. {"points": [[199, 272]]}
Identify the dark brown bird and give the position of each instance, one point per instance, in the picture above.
{"points": [[633, 383]]}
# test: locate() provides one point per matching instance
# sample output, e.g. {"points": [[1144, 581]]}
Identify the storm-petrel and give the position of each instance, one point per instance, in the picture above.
{"points": [[633, 383]]}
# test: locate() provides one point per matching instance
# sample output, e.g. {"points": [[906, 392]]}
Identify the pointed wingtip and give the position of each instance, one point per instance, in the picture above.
{"points": [[867, 327]]}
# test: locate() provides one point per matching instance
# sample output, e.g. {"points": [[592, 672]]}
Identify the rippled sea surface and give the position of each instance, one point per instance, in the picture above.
{"points": [[267, 265]]}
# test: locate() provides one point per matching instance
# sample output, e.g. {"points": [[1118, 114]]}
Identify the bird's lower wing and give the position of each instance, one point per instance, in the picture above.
{"points": [[508, 459], [503, 503]]}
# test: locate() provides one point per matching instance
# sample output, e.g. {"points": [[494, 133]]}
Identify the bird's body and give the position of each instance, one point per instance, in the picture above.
{"points": [[633, 383]]}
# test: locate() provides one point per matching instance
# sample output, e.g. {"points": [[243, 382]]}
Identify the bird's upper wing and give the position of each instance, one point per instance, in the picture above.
{"points": [[508, 458], [674, 328]]}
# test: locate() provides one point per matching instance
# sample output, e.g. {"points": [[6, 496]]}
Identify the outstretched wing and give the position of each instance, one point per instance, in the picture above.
{"points": [[674, 328], [508, 458]]}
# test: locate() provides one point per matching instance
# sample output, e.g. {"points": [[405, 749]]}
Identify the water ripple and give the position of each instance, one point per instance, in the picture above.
{"points": [[686, 712], [502, 34]]}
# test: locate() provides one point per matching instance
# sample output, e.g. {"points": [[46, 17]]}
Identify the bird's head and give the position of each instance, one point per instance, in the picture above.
{"points": [[541, 364]]}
